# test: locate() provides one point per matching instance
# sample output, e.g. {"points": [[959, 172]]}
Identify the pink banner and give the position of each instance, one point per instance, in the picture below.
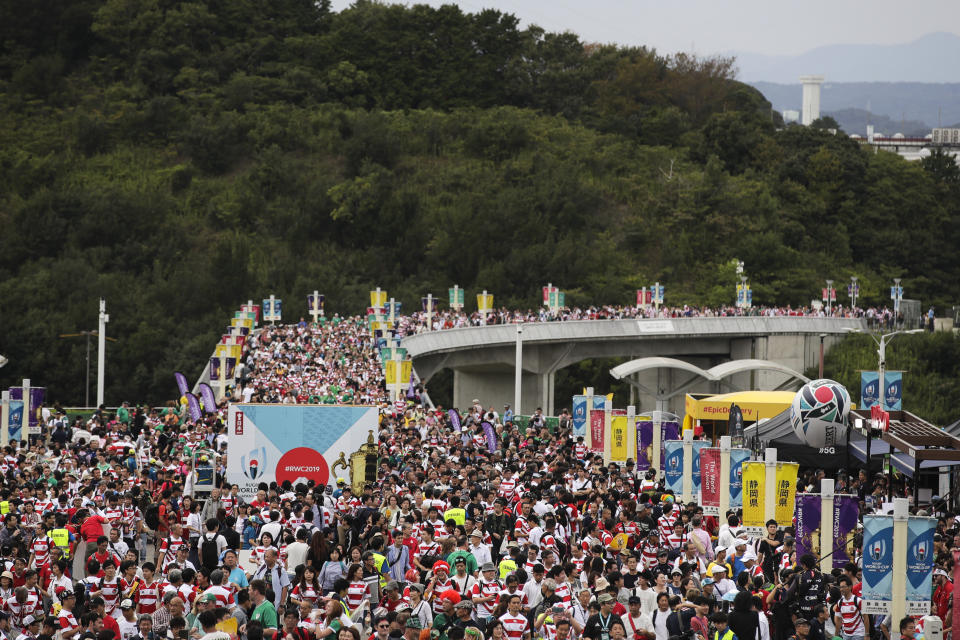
{"points": [[710, 480], [597, 420]]}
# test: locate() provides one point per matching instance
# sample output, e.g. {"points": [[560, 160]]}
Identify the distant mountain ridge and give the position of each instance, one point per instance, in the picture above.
{"points": [[930, 58], [927, 103]]}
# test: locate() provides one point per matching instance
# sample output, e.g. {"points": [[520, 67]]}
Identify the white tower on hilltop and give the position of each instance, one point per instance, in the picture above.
{"points": [[811, 99]]}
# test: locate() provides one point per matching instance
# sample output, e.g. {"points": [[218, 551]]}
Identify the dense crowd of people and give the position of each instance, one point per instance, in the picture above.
{"points": [[104, 536], [877, 317]]}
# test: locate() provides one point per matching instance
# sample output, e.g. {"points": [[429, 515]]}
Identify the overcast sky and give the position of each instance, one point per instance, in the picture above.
{"points": [[715, 26]]}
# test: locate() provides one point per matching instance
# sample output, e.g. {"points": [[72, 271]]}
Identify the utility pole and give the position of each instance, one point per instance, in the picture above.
{"points": [[101, 350]]}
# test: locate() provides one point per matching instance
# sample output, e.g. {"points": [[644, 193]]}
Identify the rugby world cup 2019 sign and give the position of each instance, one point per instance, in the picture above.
{"points": [[276, 442]]}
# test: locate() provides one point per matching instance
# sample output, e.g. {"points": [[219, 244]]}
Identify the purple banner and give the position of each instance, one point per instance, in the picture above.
{"points": [[36, 400], [846, 513], [808, 524], [182, 385], [209, 400], [193, 405], [411, 392], [669, 430], [454, 419], [491, 436]]}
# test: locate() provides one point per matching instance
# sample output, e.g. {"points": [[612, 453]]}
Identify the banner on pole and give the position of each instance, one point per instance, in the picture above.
{"points": [[618, 439], [754, 480], [786, 491], [919, 564], [597, 420], [669, 430], [808, 524], [877, 564], [673, 465], [491, 436], [846, 514], [710, 480], [579, 416], [193, 406], [698, 446], [893, 393], [737, 458], [33, 420]]}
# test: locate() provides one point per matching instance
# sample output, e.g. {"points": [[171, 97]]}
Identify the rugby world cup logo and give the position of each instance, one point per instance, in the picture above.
{"points": [[877, 550], [674, 462], [920, 551], [254, 464]]}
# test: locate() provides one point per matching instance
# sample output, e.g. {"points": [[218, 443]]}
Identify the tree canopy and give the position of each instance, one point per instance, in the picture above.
{"points": [[178, 158]]}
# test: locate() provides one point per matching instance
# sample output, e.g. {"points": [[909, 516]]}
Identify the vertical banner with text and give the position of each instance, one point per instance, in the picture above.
{"points": [[808, 524], [579, 416], [673, 465], [754, 481], [710, 480], [698, 446], [786, 491], [846, 515], [919, 564], [877, 564], [737, 458], [597, 419], [618, 439]]}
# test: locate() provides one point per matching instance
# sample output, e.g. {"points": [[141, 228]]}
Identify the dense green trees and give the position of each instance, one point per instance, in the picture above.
{"points": [[179, 158]]}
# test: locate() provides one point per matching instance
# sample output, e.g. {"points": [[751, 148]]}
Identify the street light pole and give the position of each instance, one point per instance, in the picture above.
{"points": [[518, 371], [102, 350], [829, 295]]}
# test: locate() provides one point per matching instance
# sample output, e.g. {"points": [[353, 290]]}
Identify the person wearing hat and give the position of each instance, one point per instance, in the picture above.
{"points": [[720, 558], [598, 625], [412, 628], [439, 584], [128, 619], [480, 552], [419, 608], [463, 612], [446, 615], [943, 594], [486, 591], [722, 585], [801, 627], [639, 626]]}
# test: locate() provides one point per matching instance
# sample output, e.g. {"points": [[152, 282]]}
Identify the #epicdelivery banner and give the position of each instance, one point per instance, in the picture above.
{"points": [[273, 443], [877, 564], [919, 564]]}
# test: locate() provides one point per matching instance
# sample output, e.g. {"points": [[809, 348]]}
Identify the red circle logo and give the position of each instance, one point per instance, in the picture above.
{"points": [[303, 464]]}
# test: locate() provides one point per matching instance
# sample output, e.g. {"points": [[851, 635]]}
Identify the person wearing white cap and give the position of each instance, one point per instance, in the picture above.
{"points": [[128, 619], [721, 583]]}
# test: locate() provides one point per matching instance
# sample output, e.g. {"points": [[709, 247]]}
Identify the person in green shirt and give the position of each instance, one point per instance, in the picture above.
{"points": [[462, 553], [264, 612]]}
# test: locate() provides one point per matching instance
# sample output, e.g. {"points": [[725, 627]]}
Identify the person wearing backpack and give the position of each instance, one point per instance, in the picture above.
{"points": [[210, 545]]}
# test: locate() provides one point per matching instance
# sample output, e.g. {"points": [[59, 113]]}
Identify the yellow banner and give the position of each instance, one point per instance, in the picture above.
{"points": [[786, 495], [754, 481], [618, 439], [378, 299], [242, 322], [397, 371], [485, 302], [228, 351]]}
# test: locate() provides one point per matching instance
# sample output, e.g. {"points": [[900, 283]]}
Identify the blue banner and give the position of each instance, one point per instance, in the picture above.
{"points": [[893, 394], [697, 445], [737, 458], [877, 564], [599, 403], [579, 416], [673, 465], [15, 425], [919, 564], [869, 389], [892, 391]]}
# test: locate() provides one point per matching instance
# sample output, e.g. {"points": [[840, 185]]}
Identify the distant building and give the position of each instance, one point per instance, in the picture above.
{"points": [[811, 99], [791, 115]]}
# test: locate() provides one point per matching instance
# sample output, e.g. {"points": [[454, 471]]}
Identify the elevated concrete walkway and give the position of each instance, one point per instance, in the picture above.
{"points": [[483, 358]]}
